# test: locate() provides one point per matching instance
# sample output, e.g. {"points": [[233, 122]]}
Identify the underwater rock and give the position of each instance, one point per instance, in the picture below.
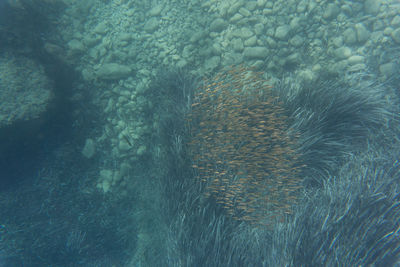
{"points": [[212, 63], [252, 41], [237, 44], [396, 35], [89, 149], [101, 28], [297, 41], [343, 52], [76, 46], [218, 25], [255, 52], [151, 25], [387, 69], [282, 32], [362, 33], [372, 6], [350, 36], [25, 91], [113, 71], [331, 11], [156, 10]]}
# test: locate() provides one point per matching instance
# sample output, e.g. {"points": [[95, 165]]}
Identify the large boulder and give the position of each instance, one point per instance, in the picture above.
{"points": [[25, 90]]}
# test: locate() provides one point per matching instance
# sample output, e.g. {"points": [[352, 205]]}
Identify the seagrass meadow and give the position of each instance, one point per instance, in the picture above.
{"points": [[283, 174]]}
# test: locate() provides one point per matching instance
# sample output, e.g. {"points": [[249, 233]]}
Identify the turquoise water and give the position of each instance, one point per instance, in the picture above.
{"points": [[199, 133]]}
